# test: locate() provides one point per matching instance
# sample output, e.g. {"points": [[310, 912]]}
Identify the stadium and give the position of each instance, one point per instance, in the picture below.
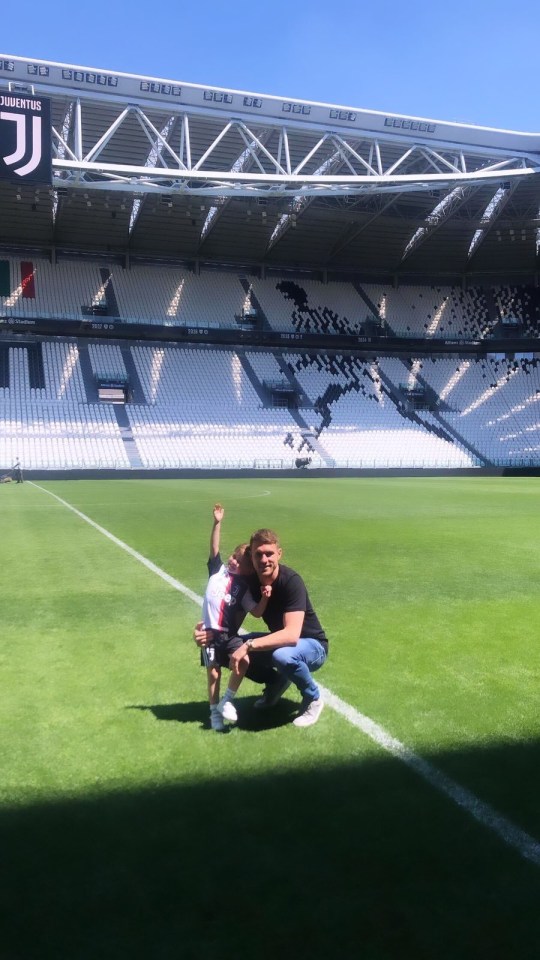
{"points": [[350, 290], [327, 318]]}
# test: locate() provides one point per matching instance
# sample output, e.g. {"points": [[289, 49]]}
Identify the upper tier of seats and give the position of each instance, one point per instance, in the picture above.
{"points": [[174, 296]]}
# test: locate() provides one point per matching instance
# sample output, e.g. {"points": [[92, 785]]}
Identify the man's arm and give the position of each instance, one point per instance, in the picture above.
{"points": [[215, 536], [288, 636], [203, 636]]}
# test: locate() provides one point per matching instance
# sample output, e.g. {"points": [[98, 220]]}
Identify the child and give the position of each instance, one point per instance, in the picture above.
{"points": [[226, 601]]}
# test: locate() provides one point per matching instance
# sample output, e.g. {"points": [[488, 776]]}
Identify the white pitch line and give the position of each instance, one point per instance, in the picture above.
{"points": [[120, 543], [513, 836]]}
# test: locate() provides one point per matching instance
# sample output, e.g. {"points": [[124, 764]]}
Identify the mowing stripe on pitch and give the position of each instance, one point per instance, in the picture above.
{"points": [[525, 845]]}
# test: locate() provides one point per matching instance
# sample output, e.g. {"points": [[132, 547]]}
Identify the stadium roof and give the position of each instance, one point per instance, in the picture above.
{"points": [[161, 168]]}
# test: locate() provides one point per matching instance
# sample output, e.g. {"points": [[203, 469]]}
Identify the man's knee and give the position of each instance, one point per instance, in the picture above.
{"points": [[308, 652], [283, 657]]}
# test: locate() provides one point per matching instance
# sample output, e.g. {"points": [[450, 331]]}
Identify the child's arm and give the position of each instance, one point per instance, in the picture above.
{"points": [[215, 536], [257, 609]]}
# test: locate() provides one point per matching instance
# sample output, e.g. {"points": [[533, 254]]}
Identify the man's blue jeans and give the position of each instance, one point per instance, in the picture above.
{"points": [[296, 663]]}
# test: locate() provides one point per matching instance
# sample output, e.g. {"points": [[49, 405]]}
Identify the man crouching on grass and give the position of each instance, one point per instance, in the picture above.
{"points": [[296, 646]]}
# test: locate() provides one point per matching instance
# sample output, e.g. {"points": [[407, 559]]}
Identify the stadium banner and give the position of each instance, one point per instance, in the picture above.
{"points": [[28, 285], [389, 346], [25, 139]]}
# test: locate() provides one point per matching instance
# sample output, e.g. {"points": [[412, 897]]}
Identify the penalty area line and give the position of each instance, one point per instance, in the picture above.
{"points": [[483, 813]]}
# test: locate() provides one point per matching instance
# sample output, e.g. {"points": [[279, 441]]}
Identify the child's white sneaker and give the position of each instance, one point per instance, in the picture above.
{"points": [[227, 710], [216, 720]]}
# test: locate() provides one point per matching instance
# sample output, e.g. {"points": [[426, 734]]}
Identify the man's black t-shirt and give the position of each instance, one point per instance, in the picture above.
{"points": [[288, 593]]}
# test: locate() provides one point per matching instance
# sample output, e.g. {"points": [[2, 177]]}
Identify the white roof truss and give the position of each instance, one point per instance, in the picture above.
{"points": [[300, 203], [287, 161], [244, 162]]}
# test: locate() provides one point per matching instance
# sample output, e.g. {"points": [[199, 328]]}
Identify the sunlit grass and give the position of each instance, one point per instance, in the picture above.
{"points": [[428, 590]]}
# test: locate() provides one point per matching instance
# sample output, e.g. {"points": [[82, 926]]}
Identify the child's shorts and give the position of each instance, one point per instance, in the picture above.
{"points": [[218, 653]]}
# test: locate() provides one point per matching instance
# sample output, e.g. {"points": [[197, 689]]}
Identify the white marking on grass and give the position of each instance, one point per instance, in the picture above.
{"points": [[513, 836], [120, 543]]}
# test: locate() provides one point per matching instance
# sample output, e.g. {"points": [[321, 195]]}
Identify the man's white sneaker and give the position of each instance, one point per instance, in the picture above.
{"points": [[310, 714], [216, 721], [272, 694], [227, 710]]}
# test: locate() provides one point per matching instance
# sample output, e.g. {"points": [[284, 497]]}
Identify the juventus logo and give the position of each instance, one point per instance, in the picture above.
{"points": [[21, 147], [25, 139]]}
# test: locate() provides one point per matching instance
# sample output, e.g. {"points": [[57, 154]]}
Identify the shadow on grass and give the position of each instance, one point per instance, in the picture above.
{"points": [[359, 860], [248, 718]]}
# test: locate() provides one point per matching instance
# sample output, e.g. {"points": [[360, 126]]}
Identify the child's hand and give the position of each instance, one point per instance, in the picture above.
{"points": [[219, 512], [200, 635], [266, 590]]}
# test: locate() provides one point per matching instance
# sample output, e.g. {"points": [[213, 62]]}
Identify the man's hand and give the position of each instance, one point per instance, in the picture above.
{"points": [[236, 658], [200, 635], [219, 512]]}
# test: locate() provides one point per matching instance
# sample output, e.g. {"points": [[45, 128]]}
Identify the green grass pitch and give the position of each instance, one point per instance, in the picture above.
{"points": [[129, 829]]}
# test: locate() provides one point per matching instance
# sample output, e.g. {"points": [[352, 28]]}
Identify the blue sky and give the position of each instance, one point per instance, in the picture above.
{"points": [[475, 62]]}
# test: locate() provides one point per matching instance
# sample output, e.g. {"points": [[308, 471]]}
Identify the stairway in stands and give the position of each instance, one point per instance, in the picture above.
{"points": [[447, 427], [89, 380], [137, 395], [373, 309], [135, 386], [310, 441], [126, 434]]}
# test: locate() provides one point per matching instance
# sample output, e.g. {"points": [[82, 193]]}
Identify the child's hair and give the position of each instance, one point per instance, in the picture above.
{"points": [[242, 554], [240, 550]]}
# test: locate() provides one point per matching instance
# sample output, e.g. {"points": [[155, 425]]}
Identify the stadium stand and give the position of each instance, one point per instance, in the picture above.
{"points": [[283, 299], [208, 406], [431, 312], [176, 297], [53, 426], [310, 307]]}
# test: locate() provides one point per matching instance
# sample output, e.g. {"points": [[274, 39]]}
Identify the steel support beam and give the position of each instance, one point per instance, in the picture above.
{"points": [[366, 164]]}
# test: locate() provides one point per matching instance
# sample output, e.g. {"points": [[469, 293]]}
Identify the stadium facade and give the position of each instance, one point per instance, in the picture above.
{"points": [[305, 248]]}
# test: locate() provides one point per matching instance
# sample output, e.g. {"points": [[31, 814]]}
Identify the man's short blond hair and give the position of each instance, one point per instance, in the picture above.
{"points": [[263, 536]]}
